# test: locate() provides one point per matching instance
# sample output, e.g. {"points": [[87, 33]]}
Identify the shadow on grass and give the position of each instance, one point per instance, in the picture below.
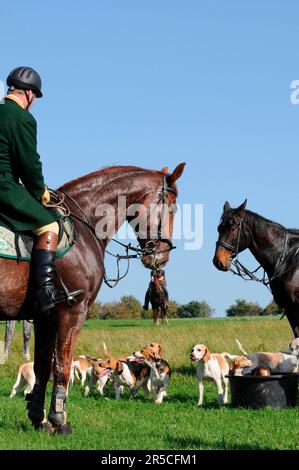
{"points": [[202, 444]]}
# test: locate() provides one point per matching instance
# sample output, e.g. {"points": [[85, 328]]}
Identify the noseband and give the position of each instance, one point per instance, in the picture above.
{"points": [[228, 246]]}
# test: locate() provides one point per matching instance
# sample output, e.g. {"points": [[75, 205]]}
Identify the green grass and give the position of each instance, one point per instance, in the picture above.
{"points": [[104, 423]]}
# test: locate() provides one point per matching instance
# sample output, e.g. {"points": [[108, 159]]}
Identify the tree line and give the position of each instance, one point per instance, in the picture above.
{"points": [[130, 307]]}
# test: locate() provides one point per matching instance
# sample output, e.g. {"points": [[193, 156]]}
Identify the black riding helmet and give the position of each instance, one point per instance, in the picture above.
{"points": [[25, 78]]}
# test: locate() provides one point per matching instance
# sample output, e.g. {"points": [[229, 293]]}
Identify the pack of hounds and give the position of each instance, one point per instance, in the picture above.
{"points": [[147, 369]]}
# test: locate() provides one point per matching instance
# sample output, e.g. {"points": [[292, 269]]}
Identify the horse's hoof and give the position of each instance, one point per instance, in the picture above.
{"points": [[44, 426], [65, 429]]}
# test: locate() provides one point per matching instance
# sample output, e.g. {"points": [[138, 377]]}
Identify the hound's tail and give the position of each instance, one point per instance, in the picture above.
{"points": [[229, 356], [241, 348]]}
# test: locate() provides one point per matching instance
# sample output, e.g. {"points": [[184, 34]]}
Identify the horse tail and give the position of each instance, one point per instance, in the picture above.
{"points": [[241, 348]]}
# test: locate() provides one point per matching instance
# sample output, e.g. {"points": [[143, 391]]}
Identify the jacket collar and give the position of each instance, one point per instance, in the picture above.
{"points": [[15, 99]]}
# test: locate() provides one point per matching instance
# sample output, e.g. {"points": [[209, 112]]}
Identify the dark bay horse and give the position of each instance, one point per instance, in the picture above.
{"points": [[274, 247], [91, 198], [158, 301]]}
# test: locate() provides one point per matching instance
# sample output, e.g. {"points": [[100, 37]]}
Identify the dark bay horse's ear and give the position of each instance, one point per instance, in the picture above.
{"points": [[177, 173], [165, 170], [226, 207], [241, 209]]}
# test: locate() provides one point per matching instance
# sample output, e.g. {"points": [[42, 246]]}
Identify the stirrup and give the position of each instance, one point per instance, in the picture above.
{"points": [[66, 296]]}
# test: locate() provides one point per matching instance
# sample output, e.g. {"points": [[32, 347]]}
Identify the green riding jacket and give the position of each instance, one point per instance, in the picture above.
{"points": [[20, 209]]}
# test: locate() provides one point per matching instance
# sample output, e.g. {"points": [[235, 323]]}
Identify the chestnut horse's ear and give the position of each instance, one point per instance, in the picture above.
{"points": [[177, 173], [165, 170], [241, 209], [226, 207]]}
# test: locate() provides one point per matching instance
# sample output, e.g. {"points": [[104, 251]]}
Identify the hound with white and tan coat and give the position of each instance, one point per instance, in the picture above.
{"points": [[160, 370], [130, 374], [210, 367], [276, 361]]}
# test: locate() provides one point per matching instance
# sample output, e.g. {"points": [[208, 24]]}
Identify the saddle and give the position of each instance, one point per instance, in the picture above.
{"points": [[19, 245]]}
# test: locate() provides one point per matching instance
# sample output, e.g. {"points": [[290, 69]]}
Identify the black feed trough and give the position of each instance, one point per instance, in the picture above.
{"points": [[277, 391]]}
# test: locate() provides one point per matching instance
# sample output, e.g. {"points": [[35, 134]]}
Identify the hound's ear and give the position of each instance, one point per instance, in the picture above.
{"points": [[226, 207], [241, 209], [119, 366], [177, 173], [207, 355], [165, 170]]}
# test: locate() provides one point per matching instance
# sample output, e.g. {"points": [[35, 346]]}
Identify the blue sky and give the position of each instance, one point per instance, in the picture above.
{"points": [[157, 83]]}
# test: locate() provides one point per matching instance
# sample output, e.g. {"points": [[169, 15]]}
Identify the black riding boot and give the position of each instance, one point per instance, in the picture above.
{"points": [[44, 274]]}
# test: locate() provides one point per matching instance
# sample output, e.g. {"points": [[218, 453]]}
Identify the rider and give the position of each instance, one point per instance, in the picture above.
{"points": [[160, 275], [21, 205]]}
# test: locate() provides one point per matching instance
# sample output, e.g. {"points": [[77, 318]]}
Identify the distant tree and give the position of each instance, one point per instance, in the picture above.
{"points": [[132, 305], [172, 311], [94, 310], [195, 309], [243, 308], [273, 309]]}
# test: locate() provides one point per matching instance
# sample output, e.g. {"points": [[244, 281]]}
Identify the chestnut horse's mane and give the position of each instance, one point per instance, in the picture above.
{"points": [[113, 171]]}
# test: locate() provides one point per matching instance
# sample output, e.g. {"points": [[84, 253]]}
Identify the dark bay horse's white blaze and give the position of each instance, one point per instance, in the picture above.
{"points": [[81, 267]]}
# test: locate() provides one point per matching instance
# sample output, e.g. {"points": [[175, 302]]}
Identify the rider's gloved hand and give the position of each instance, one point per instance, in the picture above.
{"points": [[45, 199]]}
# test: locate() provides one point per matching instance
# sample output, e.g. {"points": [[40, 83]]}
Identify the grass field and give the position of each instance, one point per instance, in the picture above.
{"points": [[103, 423]]}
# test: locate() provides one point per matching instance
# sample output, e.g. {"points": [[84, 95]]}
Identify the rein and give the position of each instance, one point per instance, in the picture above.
{"points": [[149, 248]]}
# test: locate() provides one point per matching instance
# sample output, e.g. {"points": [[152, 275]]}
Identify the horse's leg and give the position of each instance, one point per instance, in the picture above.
{"points": [[26, 339], [155, 316], [70, 321], [44, 328], [9, 332]]}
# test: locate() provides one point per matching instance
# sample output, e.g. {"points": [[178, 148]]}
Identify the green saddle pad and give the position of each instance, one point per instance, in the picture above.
{"points": [[8, 242]]}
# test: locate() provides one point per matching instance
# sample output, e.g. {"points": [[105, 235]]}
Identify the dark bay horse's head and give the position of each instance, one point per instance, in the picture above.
{"points": [[232, 237], [158, 207]]}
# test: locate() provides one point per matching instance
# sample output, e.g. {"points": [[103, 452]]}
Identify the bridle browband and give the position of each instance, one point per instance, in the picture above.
{"points": [[150, 247]]}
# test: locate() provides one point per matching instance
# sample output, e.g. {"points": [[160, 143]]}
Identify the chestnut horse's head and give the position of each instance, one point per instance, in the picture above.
{"points": [[232, 237], [155, 237]]}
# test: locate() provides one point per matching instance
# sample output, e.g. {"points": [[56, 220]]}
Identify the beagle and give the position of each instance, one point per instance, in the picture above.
{"points": [[99, 376], [294, 347], [160, 370], [238, 364], [276, 361], [80, 369], [131, 374], [26, 376], [210, 367]]}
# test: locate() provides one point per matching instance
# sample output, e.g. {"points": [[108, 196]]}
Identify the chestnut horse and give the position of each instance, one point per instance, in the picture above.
{"points": [[83, 268], [274, 247], [158, 302]]}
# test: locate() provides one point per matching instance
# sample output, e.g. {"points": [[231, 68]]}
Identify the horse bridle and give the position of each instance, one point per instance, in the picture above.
{"points": [[228, 246], [150, 247]]}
